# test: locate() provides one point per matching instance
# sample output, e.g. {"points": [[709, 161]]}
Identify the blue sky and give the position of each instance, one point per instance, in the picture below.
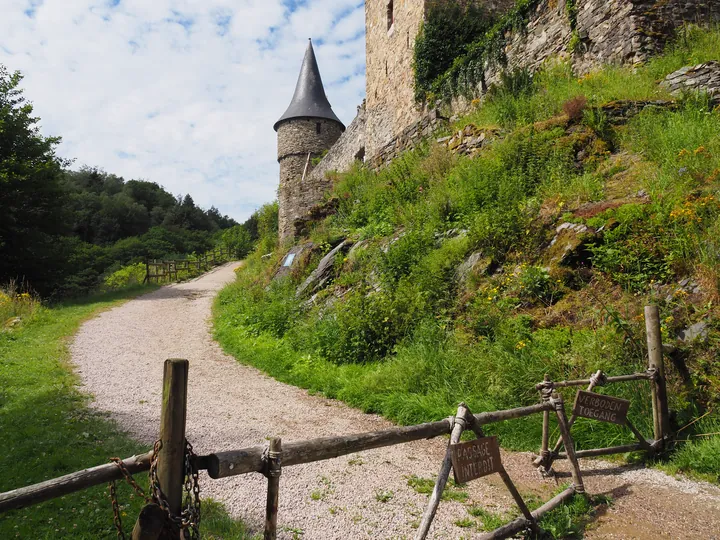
{"points": [[182, 93]]}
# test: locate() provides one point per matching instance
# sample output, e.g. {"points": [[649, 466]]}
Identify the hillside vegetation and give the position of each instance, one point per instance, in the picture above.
{"points": [[453, 289]]}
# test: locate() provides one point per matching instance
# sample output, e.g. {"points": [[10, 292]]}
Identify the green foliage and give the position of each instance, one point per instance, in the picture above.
{"points": [[32, 209], [47, 427], [238, 240], [490, 520], [425, 486], [128, 276], [267, 226], [699, 452], [467, 67], [569, 520], [17, 307], [448, 30]]}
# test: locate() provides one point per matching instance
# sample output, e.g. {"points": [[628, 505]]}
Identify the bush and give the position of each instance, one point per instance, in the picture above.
{"points": [[128, 276]]}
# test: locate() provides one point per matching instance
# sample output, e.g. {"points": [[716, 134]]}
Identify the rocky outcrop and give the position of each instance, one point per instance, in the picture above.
{"points": [[700, 78], [320, 277], [569, 246]]}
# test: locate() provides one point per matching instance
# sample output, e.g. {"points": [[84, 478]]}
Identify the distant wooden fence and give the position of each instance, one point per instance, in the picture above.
{"points": [[173, 466], [167, 270]]}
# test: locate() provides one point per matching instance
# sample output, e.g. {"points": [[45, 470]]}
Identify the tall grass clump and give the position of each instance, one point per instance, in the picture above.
{"points": [[17, 305]]}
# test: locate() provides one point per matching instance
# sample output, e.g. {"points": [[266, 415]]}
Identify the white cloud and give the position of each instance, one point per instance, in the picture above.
{"points": [[180, 92]]}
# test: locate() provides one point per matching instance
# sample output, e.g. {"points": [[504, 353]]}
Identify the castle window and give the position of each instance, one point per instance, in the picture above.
{"points": [[390, 14], [318, 127]]}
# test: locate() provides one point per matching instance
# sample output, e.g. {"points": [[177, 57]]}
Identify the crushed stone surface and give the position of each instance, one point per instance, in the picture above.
{"points": [[119, 356]]}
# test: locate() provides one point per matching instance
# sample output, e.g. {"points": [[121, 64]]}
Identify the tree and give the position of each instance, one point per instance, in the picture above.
{"points": [[238, 241], [31, 197]]}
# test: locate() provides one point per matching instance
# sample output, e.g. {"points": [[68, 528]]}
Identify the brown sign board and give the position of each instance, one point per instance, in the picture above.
{"points": [[475, 459], [599, 407]]}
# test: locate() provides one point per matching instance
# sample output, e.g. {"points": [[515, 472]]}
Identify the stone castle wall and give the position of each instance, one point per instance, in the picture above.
{"points": [[610, 31], [298, 143], [390, 98], [348, 148]]}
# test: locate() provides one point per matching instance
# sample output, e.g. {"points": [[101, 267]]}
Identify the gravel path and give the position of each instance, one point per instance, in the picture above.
{"points": [[119, 356]]}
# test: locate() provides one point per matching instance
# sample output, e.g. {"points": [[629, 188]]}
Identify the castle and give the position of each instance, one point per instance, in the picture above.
{"points": [[312, 141]]}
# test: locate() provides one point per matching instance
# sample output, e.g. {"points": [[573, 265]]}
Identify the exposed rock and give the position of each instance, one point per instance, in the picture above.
{"points": [[322, 274], [476, 263], [316, 214], [290, 260], [13, 322], [569, 246], [702, 77], [698, 330]]}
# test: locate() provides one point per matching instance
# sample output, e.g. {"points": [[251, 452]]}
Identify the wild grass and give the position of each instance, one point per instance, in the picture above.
{"points": [[49, 431], [17, 306], [544, 95]]}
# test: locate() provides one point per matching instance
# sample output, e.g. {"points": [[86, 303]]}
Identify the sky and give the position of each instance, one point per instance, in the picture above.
{"points": [[180, 92]]}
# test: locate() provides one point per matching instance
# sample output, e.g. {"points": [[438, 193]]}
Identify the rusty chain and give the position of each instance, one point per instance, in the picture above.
{"points": [[117, 519], [188, 522]]}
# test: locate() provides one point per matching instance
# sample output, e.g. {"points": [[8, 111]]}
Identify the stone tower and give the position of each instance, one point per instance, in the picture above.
{"points": [[307, 129]]}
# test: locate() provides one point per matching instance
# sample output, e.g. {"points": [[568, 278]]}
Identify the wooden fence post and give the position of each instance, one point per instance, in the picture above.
{"points": [[171, 457], [458, 427], [274, 469], [661, 415], [569, 444], [150, 524]]}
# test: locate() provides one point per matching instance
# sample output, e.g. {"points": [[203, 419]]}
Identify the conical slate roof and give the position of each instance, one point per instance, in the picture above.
{"points": [[309, 100]]}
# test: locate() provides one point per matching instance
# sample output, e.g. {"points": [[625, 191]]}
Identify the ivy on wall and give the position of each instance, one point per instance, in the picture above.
{"points": [[465, 70], [449, 29]]}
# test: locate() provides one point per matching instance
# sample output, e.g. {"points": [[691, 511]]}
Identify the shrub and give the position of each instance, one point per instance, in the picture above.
{"points": [[127, 276], [575, 107]]}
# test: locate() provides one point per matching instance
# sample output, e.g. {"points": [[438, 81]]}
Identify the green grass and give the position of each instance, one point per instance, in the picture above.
{"points": [[48, 431], [397, 332], [425, 486]]}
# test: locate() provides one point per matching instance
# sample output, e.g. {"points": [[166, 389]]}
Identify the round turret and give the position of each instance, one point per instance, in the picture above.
{"points": [[308, 128]]}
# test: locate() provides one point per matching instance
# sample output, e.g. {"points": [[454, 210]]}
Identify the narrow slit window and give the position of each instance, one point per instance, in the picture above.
{"points": [[318, 127], [390, 14]]}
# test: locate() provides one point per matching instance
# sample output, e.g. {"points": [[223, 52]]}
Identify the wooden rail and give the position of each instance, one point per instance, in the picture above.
{"points": [[162, 270], [251, 459], [70, 483]]}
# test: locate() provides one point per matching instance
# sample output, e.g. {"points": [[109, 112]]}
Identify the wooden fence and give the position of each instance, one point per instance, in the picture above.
{"points": [[167, 270], [173, 466], [603, 407]]}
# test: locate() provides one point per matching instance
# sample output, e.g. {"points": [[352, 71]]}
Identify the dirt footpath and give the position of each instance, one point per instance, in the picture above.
{"points": [[119, 356]]}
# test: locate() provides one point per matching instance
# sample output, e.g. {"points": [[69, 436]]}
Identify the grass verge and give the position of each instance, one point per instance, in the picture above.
{"points": [[48, 431]]}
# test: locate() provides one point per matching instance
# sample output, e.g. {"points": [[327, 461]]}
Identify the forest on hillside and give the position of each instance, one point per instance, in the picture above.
{"points": [[62, 231]]}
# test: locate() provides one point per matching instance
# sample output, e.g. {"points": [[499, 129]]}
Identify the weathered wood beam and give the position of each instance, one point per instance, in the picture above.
{"points": [[608, 380], [70, 483], [604, 451]]}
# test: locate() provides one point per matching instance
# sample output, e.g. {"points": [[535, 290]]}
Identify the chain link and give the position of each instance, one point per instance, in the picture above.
{"points": [[117, 520], [188, 522]]}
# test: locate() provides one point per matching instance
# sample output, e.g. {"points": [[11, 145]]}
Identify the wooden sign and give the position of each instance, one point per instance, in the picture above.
{"points": [[475, 459], [599, 407]]}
